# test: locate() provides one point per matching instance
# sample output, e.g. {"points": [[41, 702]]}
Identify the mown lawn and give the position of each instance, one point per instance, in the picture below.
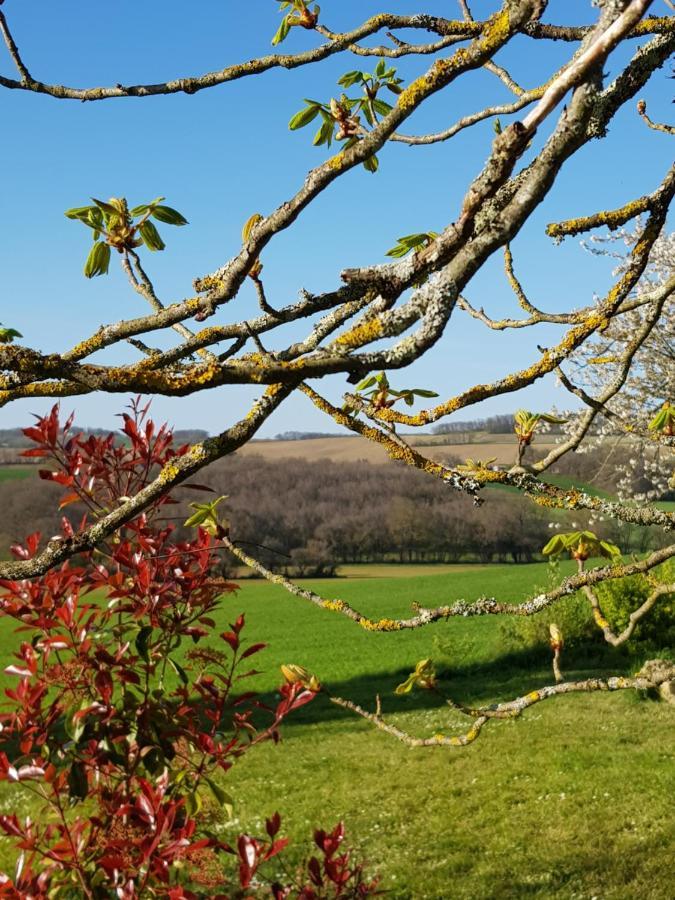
{"points": [[573, 800]]}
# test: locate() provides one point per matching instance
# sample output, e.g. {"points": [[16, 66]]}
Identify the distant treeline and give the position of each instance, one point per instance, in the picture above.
{"points": [[308, 517], [308, 435], [502, 424]]}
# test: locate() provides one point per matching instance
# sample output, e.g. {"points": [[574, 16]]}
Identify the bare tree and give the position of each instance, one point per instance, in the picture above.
{"points": [[383, 317]]}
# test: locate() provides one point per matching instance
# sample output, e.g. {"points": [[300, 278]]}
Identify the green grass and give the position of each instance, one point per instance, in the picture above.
{"points": [[573, 800], [16, 473]]}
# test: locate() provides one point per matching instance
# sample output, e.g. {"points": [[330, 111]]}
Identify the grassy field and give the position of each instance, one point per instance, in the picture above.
{"points": [[16, 473], [573, 800]]}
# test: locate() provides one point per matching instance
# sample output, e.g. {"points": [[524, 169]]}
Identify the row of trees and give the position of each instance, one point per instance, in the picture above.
{"points": [[337, 512]]}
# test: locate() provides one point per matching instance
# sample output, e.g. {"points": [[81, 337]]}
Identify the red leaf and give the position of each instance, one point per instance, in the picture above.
{"points": [[277, 847], [273, 825], [68, 499], [315, 871], [104, 684], [254, 648], [58, 477], [231, 639]]}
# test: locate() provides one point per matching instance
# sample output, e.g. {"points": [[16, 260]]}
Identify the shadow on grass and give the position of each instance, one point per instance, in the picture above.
{"points": [[504, 678], [588, 869]]}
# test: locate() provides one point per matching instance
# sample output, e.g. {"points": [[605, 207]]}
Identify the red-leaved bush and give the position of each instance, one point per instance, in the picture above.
{"points": [[128, 707]]}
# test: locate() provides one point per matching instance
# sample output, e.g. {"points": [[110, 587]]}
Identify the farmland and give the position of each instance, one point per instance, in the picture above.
{"points": [[352, 449]]}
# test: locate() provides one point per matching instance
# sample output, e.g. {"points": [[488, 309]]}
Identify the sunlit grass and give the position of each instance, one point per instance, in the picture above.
{"points": [[573, 800]]}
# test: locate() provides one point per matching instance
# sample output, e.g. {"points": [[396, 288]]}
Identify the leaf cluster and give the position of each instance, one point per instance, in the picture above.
{"points": [[412, 243], [206, 517], [525, 423], [7, 335], [299, 14], [341, 119], [423, 677], [114, 225], [376, 390], [581, 545], [664, 420]]}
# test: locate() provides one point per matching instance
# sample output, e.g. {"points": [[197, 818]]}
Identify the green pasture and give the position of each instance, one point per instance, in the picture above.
{"points": [[16, 473], [573, 800]]}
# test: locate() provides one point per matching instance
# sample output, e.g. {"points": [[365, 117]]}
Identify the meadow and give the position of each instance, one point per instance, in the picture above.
{"points": [[572, 800]]}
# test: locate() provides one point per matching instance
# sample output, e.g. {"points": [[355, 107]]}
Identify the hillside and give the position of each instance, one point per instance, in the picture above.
{"points": [[352, 449]]}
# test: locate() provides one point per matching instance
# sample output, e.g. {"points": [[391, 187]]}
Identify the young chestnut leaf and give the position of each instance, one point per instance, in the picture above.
{"points": [[372, 164], [150, 236], [7, 335], [98, 260], [249, 225], [305, 116], [168, 215]]}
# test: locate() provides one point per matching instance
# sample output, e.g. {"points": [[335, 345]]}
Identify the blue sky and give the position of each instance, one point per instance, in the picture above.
{"points": [[226, 152]]}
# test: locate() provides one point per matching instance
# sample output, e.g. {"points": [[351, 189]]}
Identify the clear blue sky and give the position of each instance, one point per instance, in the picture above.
{"points": [[226, 152]]}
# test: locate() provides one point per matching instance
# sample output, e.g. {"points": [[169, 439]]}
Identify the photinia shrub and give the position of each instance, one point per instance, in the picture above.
{"points": [[129, 706]]}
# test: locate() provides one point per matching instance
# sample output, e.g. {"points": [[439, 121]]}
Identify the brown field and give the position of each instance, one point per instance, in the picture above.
{"points": [[353, 449]]}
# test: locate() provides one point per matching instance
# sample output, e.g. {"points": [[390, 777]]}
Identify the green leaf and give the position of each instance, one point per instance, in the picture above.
{"points": [[144, 207], [399, 251], [304, 117], [350, 78], [610, 549], [153, 759], [325, 134], [98, 260], [380, 68], [545, 417], [381, 107], [106, 208], [151, 237], [205, 512], [249, 225], [79, 212], [366, 383], [178, 669], [555, 546], [78, 786], [407, 686], [224, 799], [282, 31], [421, 392], [168, 215], [7, 335], [372, 164], [142, 640]]}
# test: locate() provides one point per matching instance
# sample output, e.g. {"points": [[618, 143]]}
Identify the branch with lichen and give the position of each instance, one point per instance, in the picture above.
{"points": [[655, 675], [173, 474], [660, 591], [483, 606], [656, 126]]}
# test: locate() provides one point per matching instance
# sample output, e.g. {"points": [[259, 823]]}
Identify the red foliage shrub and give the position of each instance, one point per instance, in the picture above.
{"points": [[120, 731]]}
